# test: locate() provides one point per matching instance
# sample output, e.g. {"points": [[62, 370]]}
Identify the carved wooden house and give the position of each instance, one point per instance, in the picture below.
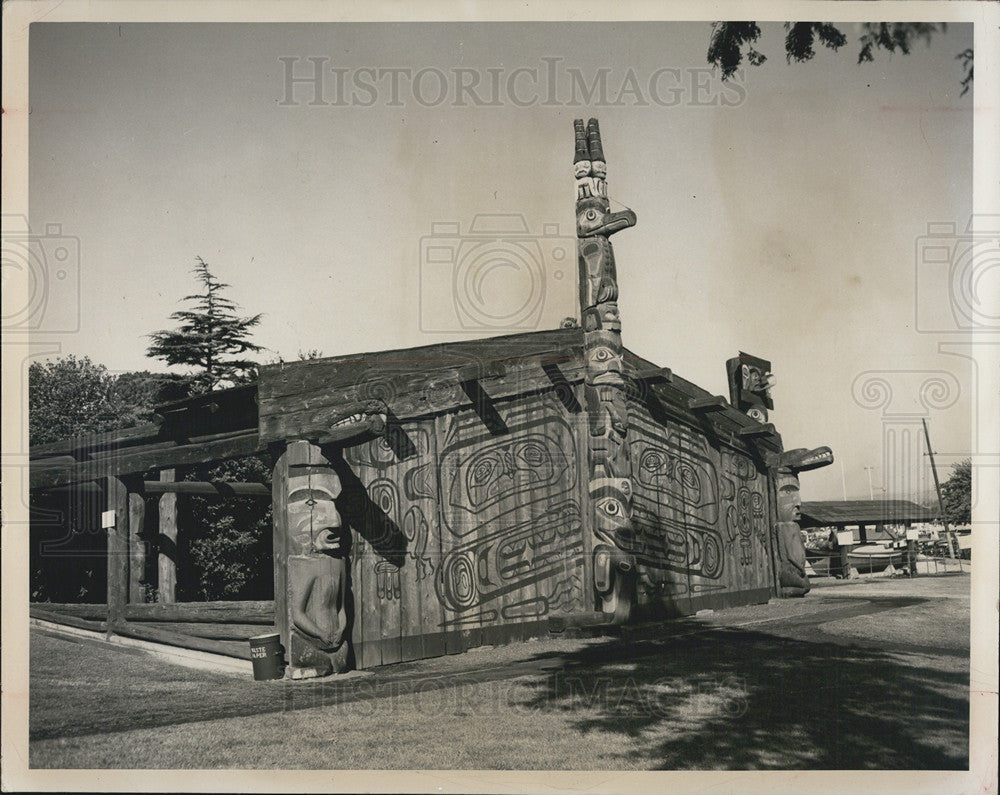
{"points": [[477, 492]]}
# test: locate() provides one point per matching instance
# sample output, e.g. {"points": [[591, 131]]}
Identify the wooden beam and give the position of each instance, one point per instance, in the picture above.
{"points": [[255, 612], [214, 488], [77, 445], [166, 542], [58, 617], [413, 395], [211, 630], [137, 460], [761, 429], [118, 551], [708, 404], [137, 546], [230, 648], [643, 373], [91, 612]]}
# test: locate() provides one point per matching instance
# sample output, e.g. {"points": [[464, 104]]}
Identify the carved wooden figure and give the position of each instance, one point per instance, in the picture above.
{"points": [[750, 383], [317, 580], [610, 486], [791, 551]]}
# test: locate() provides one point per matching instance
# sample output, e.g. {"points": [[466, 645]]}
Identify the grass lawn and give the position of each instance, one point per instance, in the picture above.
{"points": [[795, 687]]}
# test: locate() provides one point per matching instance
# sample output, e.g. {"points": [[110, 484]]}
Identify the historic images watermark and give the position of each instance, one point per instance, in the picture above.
{"points": [[619, 696], [317, 81]]}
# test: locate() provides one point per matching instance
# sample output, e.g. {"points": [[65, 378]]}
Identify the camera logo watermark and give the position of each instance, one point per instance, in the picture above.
{"points": [[315, 81], [494, 276], [958, 277], [40, 278]]}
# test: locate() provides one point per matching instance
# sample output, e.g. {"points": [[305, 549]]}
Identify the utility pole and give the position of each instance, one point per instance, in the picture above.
{"points": [[937, 485], [843, 480], [871, 494]]}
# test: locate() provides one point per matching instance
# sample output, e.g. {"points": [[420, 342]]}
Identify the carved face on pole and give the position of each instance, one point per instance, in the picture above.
{"points": [[604, 359], [602, 318], [612, 499], [313, 519], [789, 498]]}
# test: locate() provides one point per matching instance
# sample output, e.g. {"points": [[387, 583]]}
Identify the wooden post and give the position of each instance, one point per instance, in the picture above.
{"points": [[118, 551], [279, 520], [844, 547], [137, 543], [166, 585]]}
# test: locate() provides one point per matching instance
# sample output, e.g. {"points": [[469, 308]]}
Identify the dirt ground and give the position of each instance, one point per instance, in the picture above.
{"points": [[866, 675]]}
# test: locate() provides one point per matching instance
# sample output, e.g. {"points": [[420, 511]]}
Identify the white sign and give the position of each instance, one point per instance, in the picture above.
{"points": [[912, 534], [108, 519], [845, 538]]}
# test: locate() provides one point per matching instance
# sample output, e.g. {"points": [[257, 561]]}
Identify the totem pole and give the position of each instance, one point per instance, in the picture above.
{"points": [[792, 578], [610, 485], [315, 545]]}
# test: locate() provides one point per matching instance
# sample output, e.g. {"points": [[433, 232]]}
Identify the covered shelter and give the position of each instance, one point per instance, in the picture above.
{"points": [[865, 516]]}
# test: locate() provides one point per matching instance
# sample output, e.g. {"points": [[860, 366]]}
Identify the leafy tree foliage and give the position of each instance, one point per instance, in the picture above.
{"points": [[732, 42], [225, 545], [209, 336], [956, 493], [70, 396]]}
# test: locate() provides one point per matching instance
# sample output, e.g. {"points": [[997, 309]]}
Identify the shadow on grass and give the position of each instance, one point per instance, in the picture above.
{"points": [[738, 699], [693, 697]]}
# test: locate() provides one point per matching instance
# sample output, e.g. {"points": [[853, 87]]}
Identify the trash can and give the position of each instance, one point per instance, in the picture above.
{"points": [[265, 653]]}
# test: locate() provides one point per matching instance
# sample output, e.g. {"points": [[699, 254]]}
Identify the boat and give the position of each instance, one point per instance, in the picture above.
{"points": [[870, 558], [821, 561]]}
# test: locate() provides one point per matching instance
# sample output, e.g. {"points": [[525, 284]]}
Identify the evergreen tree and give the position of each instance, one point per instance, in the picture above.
{"points": [[209, 335]]}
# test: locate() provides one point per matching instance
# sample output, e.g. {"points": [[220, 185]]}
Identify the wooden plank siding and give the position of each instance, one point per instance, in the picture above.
{"points": [[702, 509], [463, 535]]}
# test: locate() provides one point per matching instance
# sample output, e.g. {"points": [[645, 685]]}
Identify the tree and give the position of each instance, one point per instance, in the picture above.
{"points": [[71, 396], [209, 336], [956, 493], [731, 42]]}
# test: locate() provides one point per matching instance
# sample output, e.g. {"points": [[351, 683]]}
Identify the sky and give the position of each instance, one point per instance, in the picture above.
{"points": [[784, 214]]}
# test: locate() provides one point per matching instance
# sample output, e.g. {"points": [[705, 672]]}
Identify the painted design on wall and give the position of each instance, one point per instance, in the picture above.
{"points": [[677, 502], [510, 558], [746, 519], [464, 528], [318, 580], [382, 453], [700, 514], [604, 387], [482, 480], [416, 530]]}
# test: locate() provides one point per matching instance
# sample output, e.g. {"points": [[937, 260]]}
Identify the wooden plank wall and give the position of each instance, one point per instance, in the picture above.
{"points": [[464, 534], [703, 510]]}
